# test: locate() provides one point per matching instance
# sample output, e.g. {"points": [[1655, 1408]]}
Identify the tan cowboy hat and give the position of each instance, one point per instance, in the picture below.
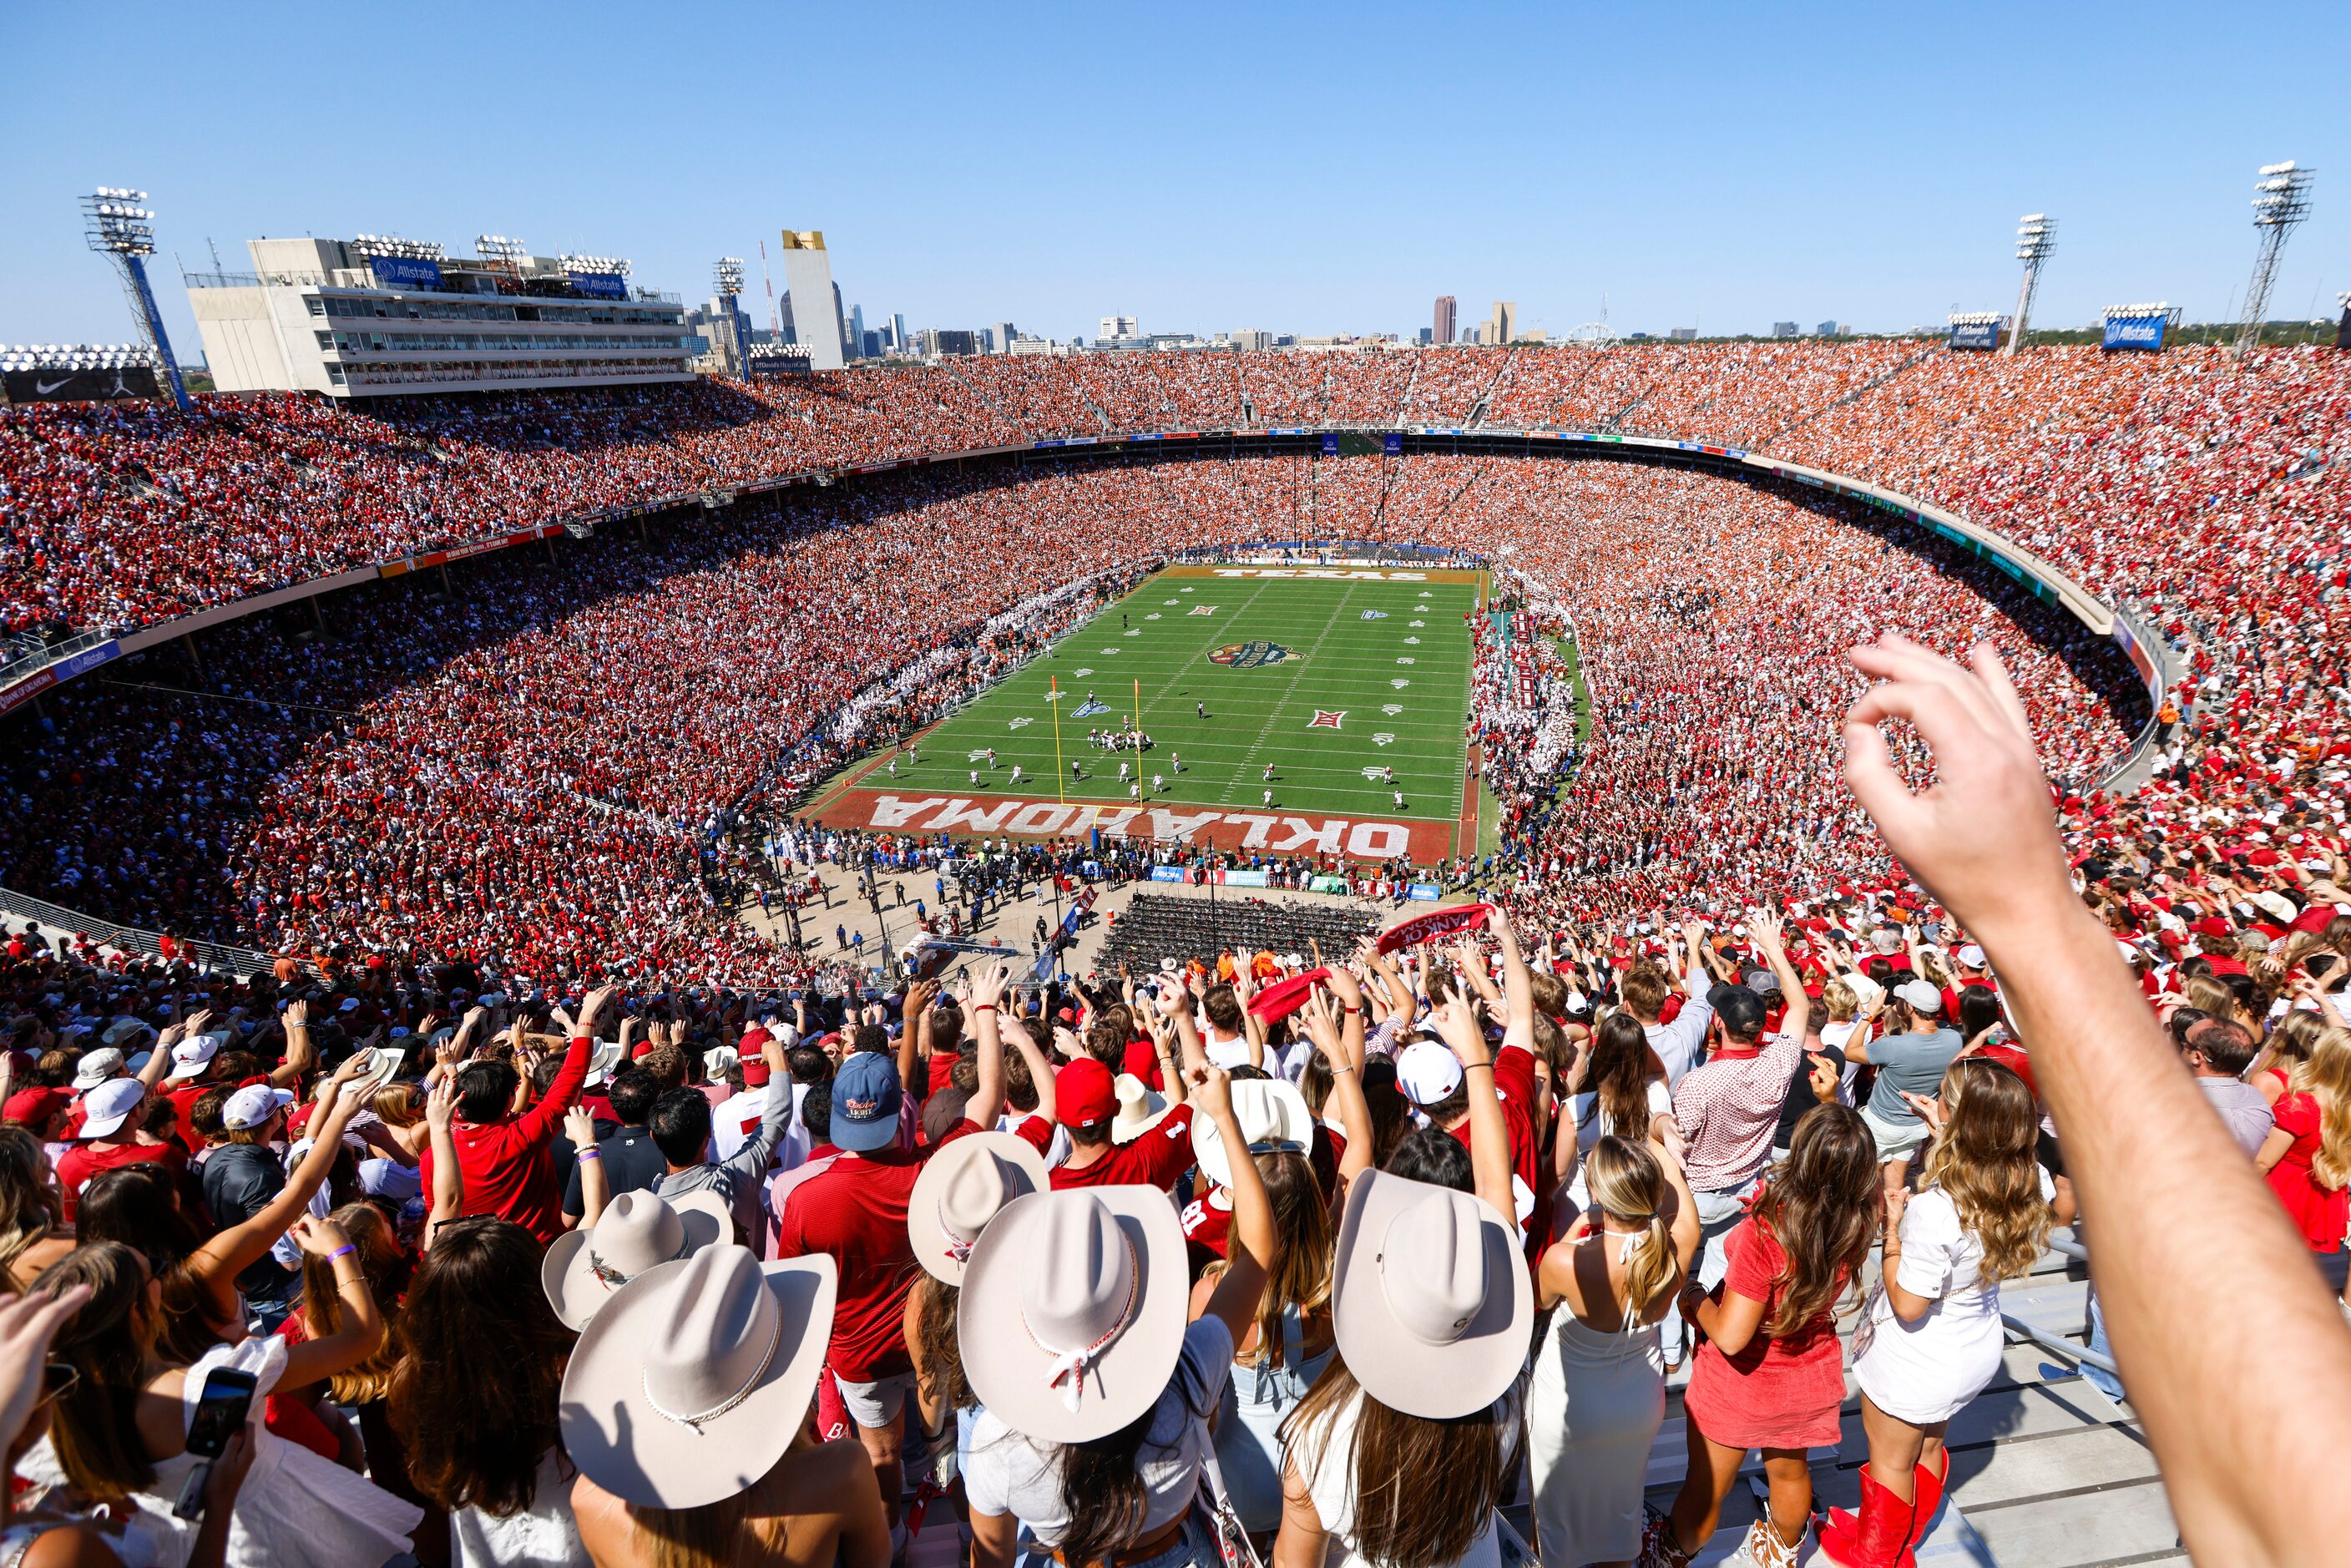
{"points": [[382, 1063], [1430, 1302], [1272, 1114], [961, 1189], [1072, 1310], [694, 1378], [583, 1270], [1139, 1109]]}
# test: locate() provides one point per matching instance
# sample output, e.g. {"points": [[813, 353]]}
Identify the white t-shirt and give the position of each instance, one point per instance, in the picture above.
{"points": [[1680, 1044], [1006, 1472], [1228, 1053], [1943, 1261], [542, 1533], [1327, 1452]]}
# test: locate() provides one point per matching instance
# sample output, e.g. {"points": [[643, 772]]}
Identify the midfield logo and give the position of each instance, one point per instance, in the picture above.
{"points": [[1326, 720], [1251, 655], [1203, 609], [1376, 615]]}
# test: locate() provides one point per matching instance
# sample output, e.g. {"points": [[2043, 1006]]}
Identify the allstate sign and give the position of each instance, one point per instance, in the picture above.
{"points": [[2144, 333]]}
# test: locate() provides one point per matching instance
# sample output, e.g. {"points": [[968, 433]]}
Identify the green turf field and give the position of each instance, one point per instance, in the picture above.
{"points": [[1393, 657]]}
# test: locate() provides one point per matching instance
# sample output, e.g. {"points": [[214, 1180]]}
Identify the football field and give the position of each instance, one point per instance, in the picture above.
{"points": [[1334, 678]]}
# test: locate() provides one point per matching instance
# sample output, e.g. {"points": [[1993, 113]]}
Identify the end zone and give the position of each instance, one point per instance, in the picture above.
{"points": [[1268, 832]]}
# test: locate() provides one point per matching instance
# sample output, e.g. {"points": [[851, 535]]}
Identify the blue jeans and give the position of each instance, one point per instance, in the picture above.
{"points": [[2098, 1378]]}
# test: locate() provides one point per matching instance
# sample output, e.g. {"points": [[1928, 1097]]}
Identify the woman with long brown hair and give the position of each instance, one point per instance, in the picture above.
{"points": [[1931, 1337], [2290, 1041], [1622, 1091], [473, 1395], [1770, 1374]]}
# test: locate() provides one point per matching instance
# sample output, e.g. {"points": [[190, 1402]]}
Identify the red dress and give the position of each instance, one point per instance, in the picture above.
{"points": [[2318, 1213], [1780, 1392]]}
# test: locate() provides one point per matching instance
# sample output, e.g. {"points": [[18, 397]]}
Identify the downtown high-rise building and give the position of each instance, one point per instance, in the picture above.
{"points": [[1443, 330]]}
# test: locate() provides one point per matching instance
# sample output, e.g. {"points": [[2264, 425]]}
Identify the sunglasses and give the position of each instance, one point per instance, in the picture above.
{"points": [[57, 1378]]}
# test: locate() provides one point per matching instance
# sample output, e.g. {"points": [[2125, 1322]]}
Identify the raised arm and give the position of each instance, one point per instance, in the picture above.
{"points": [[594, 1186], [1490, 1134], [2148, 1156], [987, 984], [301, 1051], [220, 1260], [1769, 931], [1249, 1249], [358, 1333], [448, 1177]]}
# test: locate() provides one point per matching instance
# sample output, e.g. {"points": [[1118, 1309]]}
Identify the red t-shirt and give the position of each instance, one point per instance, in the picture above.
{"points": [[1208, 1222], [1514, 1082], [84, 1161], [506, 1166], [1154, 1159], [855, 1214]]}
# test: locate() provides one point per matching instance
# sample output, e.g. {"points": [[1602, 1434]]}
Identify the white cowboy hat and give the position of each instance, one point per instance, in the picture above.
{"points": [[637, 1231], [694, 1378], [1272, 1114], [382, 1063], [1072, 1310], [602, 1063], [961, 1189], [1430, 1302], [1139, 1109]]}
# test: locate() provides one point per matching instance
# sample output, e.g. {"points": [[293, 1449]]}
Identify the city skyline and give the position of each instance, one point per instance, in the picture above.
{"points": [[948, 200]]}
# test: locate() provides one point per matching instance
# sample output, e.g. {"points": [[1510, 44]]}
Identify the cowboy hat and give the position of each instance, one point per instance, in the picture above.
{"points": [[605, 1057], [1072, 1310], [1272, 1114], [1139, 1109], [382, 1061], [583, 1268], [963, 1186], [694, 1378], [1431, 1300]]}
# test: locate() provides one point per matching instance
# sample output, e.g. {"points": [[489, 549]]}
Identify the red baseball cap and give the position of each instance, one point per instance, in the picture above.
{"points": [[755, 1070], [34, 1106], [1085, 1092]]}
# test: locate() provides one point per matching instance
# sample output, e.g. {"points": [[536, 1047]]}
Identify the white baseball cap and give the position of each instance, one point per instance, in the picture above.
{"points": [[193, 1054], [252, 1105], [1970, 956], [108, 1105], [1922, 997], [1427, 1070], [96, 1068]]}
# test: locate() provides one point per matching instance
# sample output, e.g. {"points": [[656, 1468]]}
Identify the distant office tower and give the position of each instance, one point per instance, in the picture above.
{"points": [[1827, 329], [812, 301], [897, 331], [1442, 328], [1685, 334], [1784, 329], [1000, 337], [856, 328], [1503, 324], [1119, 327], [1427, 336]]}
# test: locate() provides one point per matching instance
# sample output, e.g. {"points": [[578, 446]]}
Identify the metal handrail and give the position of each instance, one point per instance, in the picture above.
{"points": [[130, 938]]}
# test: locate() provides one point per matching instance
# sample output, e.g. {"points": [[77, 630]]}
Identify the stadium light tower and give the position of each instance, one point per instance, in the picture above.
{"points": [[2036, 236], [118, 225], [726, 276], [2280, 201]]}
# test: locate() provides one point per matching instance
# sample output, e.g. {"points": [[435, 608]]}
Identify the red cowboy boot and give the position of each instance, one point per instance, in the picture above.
{"points": [[1878, 1537]]}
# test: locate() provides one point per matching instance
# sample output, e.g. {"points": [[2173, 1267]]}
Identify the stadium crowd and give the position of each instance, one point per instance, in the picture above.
{"points": [[544, 1214]]}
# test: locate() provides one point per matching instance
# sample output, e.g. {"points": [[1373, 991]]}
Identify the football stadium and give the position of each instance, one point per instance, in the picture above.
{"points": [[652, 934]]}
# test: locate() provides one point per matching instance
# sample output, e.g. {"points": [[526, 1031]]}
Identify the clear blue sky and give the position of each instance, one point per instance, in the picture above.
{"points": [[1206, 167]]}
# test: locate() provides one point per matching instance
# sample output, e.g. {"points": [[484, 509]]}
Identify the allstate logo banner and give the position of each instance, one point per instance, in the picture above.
{"points": [[1249, 655], [2144, 333], [404, 272]]}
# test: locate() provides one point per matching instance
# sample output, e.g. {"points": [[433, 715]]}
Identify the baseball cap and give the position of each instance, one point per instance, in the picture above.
{"points": [[34, 1106], [1922, 997], [252, 1105], [1740, 1010], [191, 1055], [1762, 982], [865, 1100], [110, 1105], [1970, 956], [1085, 1092], [96, 1068], [1427, 1070]]}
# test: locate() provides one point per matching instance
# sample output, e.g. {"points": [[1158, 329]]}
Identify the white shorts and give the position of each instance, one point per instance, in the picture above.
{"points": [[1895, 1142], [876, 1403]]}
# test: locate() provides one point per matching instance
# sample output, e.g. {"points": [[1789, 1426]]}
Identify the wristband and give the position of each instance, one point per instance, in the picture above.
{"points": [[592, 1154], [1352, 1009], [345, 1251], [983, 1007]]}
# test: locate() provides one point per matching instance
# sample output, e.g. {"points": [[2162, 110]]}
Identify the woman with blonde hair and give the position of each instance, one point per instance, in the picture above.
{"points": [[1598, 1394], [33, 1230], [2307, 1158], [1931, 1338], [2290, 1041]]}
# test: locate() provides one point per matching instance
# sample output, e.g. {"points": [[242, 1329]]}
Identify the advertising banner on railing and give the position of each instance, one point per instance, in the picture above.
{"points": [[43, 679], [1326, 884], [1170, 874], [2142, 333], [1426, 892], [1982, 337]]}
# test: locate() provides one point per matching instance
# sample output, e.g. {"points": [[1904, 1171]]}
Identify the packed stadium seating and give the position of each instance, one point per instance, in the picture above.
{"points": [[605, 705], [1156, 925]]}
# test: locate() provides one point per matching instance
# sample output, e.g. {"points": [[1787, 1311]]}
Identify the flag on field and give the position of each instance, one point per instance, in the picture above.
{"points": [[1323, 719]]}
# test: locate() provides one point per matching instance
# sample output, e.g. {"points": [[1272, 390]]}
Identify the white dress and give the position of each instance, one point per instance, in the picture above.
{"points": [[1592, 1124], [294, 1510], [1594, 1408], [1926, 1371]]}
